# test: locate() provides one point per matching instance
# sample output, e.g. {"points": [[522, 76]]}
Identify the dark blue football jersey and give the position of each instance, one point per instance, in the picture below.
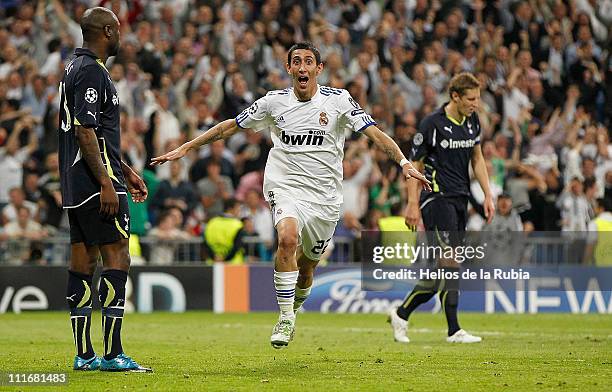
{"points": [[88, 99], [445, 147]]}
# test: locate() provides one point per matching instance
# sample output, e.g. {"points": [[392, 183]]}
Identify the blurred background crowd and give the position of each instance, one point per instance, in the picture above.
{"points": [[544, 65]]}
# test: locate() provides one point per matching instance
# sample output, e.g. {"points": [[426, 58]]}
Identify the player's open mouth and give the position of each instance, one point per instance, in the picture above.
{"points": [[303, 81]]}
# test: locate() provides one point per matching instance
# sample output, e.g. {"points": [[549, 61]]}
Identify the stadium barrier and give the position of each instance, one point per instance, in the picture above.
{"points": [[538, 248], [337, 288]]}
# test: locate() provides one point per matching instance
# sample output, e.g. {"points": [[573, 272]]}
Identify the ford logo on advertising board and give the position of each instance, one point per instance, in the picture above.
{"points": [[340, 291]]}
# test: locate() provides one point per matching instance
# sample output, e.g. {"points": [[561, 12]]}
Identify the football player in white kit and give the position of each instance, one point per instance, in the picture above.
{"points": [[303, 175]]}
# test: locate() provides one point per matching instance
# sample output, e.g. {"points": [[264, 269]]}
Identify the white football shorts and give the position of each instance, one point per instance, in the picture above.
{"points": [[316, 222]]}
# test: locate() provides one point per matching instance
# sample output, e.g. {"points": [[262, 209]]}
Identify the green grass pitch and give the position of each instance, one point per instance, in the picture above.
{"points": [[331, 352]]}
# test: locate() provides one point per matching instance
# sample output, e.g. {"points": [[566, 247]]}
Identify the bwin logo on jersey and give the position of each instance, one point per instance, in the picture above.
{"points": [[313, 138], [453, 144]]}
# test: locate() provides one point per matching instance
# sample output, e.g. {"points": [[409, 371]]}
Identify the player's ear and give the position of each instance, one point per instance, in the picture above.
{"points": [[288, 68], [319, 68], [108, 31]]}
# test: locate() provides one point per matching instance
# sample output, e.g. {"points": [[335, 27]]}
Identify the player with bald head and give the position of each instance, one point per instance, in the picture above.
{"points": [[100, 28], [95, 183]]}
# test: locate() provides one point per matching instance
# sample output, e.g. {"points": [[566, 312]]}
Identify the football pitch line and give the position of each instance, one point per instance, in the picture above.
{"points": [[410, 330]]}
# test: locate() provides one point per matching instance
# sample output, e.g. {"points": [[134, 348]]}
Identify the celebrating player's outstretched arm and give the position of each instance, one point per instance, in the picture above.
{"points": [[222, 130], [385, 143]]}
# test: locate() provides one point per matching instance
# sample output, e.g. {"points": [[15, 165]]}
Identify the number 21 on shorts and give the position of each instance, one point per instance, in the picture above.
{"points": [[320, 247]]}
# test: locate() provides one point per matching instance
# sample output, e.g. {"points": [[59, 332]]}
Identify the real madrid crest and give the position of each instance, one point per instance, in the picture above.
{"points": [[323, 120]]}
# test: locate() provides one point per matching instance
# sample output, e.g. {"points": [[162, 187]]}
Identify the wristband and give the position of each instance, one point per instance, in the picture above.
{"points": [[404, 162]]}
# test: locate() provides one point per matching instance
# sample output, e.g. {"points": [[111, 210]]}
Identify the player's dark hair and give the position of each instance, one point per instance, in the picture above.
{"points": [[462, 82], [306, 46]]}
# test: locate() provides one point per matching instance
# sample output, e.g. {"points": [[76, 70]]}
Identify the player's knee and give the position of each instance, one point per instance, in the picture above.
{"points": [[117, 257], [78, 293], [288, 242]]}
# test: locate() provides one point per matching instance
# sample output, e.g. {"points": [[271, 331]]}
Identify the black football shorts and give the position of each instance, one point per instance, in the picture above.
{"points": [[445, 219], [89, 227]]}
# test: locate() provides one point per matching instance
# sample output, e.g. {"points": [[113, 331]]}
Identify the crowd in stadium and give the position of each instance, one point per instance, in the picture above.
{"points": [[545, 68]]}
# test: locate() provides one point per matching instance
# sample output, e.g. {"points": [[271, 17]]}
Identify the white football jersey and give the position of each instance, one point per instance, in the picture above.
{"points": [[306, 160]]}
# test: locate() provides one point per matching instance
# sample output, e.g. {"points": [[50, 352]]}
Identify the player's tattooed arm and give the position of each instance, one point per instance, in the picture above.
{"points": [[222, 130], [385, 143], [90, 151]]}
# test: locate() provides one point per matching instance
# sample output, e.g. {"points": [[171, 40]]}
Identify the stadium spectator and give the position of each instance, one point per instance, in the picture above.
{"points": [[506, 218], [223, 237], [249, 182], [35, 99], [574, 207], [599, 240], [26, 234], [30, 187], [217, 152], [51, 196], [253, 153], [544, 214], [214, 190], [17, 200], [385, 195], [13, 157], [357, 166], [255, 209], [166, 234], [175, 192]]}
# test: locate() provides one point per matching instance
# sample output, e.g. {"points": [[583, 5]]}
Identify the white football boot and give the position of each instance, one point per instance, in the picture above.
{"points": [[463, 337], [282, 332], [399, 326]]}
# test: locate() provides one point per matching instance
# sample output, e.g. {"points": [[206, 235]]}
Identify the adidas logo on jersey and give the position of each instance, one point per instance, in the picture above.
{"points": [[453, 144], [313, 138]]}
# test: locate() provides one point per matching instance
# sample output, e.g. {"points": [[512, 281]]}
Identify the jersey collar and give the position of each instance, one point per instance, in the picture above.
{"points": [[314, 97], [85, 52], [442, 112]]}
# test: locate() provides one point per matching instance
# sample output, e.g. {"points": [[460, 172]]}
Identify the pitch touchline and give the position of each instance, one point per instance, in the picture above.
{"points": [[410, 330]]}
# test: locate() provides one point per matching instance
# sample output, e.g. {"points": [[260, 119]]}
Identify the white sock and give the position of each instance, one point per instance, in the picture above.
{"points": [[284, 283], [300, 297]]}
